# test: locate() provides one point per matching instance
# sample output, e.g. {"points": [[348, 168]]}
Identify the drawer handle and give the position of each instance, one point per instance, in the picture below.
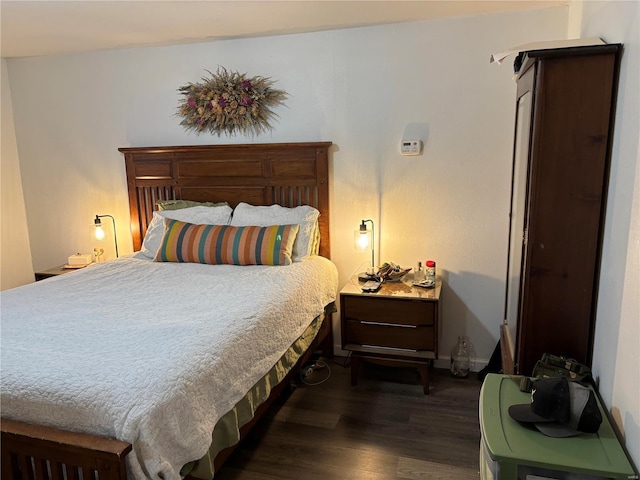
{"points": [[384, 324]]}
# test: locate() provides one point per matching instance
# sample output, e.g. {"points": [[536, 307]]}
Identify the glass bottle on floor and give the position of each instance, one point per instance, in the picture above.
{"points": [[460, 359]]}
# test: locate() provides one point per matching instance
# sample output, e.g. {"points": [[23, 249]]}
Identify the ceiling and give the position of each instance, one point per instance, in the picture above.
{"points": [[30, 28]]}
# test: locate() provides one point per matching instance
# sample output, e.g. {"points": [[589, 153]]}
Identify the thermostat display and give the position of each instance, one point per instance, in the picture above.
{"points": [[411, 147]]}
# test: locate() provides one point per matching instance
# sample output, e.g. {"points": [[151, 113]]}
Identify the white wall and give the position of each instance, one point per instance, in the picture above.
{"points": [[616, 361], [364, 89], [15, 255]]}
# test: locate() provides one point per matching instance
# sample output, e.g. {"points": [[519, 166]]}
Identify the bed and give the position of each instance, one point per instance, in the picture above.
{"points": [[187, 356]]}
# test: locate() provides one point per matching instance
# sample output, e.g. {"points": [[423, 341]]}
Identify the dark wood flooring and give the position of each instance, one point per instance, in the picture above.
{"points": [[382, 429]]}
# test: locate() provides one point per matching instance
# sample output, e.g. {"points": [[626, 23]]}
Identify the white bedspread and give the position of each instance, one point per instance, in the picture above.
{"points": [[152, 353]]}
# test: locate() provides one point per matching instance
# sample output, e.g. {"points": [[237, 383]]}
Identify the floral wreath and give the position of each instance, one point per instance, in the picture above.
{"points": [[229, 102]]}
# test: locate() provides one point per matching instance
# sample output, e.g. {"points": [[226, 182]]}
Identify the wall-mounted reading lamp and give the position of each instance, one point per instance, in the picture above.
{"points": [[363, 240], [99, 234]]}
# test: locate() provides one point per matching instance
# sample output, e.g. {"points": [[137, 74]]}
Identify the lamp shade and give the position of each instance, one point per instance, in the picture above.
{"points": [[99, 233], [363, 241]]}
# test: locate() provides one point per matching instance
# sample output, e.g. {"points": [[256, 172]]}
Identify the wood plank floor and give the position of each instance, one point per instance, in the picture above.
{"points": [[382, 429]]}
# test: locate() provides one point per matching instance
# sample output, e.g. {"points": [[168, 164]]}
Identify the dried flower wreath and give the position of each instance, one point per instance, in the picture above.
{"points": [[229, 102]]}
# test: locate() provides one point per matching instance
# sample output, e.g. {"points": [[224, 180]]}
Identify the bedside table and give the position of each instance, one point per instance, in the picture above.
{"points": [[397, 326], [52, 272]]}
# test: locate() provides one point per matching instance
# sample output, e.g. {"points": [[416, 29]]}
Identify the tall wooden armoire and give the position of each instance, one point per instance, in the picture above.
{"points": [[563, 135]]}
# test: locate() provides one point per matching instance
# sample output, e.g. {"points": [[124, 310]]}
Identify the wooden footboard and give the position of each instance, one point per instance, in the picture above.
{"points": [[34, 452]]}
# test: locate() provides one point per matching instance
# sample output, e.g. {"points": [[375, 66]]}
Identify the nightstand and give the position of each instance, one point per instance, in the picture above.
{"points": [[397, 326], [52, 272]]}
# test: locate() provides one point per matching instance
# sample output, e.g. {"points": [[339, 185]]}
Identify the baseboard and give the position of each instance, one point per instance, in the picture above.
{"points": [[475, 366]]}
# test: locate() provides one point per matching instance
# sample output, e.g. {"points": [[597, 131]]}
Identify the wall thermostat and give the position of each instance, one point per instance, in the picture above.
{"points": [[411, 147]]}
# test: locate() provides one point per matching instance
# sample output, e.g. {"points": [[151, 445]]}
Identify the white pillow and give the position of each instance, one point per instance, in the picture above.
{"points": [[200, 215], [305, 216]]}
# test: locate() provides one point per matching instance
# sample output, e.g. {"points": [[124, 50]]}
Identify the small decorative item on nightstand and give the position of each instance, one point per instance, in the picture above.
{"points": [[418, 273], [430, 271], [391, 272], [78, 260], [98, 253]]}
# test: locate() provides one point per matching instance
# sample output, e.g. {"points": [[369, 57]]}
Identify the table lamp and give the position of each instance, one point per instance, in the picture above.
{"points": [[99, 234], [363, 240]]}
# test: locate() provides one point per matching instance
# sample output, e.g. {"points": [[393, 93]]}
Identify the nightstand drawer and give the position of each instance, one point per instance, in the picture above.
{"points": [[389, 335], [388, 310]]}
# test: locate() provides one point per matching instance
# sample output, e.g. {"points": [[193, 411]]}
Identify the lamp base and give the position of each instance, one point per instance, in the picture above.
{"points": [[365, 277]]}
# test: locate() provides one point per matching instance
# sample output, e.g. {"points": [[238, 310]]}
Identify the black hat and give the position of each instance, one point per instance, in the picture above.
{"points": [[560, 408]]}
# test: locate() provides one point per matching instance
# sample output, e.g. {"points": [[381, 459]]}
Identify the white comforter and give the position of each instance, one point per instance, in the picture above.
{"points": [[152, 353]]}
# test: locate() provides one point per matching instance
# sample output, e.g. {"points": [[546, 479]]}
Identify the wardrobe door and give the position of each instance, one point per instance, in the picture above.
{"points": [[517, 212]]}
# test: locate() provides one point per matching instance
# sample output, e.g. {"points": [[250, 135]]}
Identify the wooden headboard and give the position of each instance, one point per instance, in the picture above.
{"points": [[287, 174]]}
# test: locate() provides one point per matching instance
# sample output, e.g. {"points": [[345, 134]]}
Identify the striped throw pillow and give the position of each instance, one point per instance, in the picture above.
{"points": [[224, 244]]}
